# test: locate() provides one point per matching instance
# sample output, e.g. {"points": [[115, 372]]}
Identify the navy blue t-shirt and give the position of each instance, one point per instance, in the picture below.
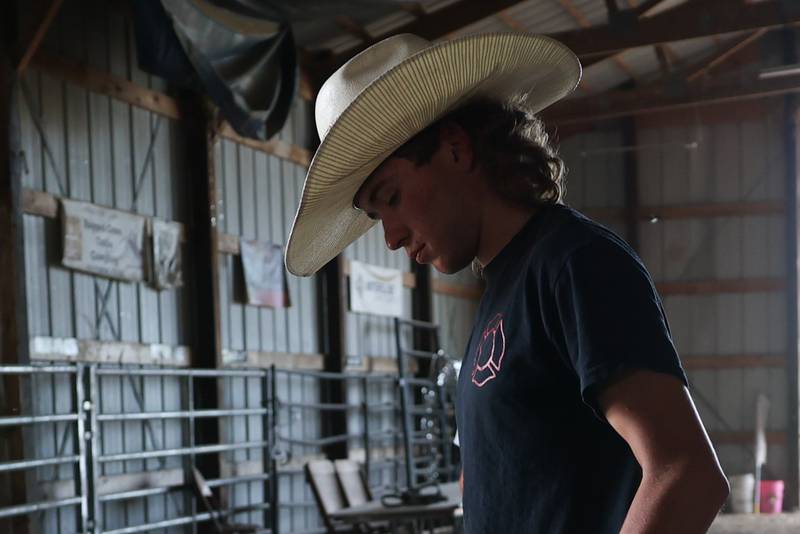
{"points": [[567, 306]]}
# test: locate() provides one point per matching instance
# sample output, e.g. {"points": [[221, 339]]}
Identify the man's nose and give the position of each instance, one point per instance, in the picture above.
{"points": [[396, 235]]}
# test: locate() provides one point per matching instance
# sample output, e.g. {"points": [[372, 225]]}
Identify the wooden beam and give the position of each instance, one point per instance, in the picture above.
{"points": [[725, 55], [142, 97], [431, 26], [116, 352], [583, 22], [105, 84], [203, 278], [691, 211], [13, 299], [265, 360], [39, 203], [275, 147], [457, 290], [709, 287], [32, 46], [349, 25], [662, 99], [331, 312], [733, 361], [699, 211], [746, 437], [687, 21]]}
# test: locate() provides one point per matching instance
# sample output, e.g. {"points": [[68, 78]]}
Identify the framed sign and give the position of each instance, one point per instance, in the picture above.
{"points": [[264, 275], [103, 241], [376, 290]]}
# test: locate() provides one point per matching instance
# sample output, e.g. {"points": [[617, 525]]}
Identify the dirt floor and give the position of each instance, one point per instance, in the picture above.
{"points": [[756, 524]]}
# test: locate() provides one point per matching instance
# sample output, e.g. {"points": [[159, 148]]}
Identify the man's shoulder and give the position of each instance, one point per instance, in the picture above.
{"points": [[564, 232]]}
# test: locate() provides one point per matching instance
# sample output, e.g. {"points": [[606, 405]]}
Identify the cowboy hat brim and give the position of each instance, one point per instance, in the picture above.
{"points": [[401, 103]]}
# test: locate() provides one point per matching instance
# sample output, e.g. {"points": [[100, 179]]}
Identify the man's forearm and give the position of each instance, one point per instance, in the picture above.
{"points": [[681, 499]]}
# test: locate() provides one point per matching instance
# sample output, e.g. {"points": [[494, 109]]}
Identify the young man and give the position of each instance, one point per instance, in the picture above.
{"points": [[573, 411]]}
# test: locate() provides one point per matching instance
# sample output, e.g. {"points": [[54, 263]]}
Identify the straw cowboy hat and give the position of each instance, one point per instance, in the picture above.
{"points": [[387, 94]]}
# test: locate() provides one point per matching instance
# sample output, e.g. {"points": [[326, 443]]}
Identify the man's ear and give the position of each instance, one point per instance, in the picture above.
{"points": [[457, 145]]}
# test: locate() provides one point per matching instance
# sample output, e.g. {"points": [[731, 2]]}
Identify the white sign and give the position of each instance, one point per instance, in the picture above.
{"points": [[376, 290], [103, 241], [264, 275], [166, 254]]}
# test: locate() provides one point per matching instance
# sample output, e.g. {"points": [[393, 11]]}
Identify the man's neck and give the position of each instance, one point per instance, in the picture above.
{"points": [[501, 222]]}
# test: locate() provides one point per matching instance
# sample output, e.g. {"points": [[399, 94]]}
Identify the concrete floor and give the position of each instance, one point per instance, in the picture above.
{"points": [[756, 524]]}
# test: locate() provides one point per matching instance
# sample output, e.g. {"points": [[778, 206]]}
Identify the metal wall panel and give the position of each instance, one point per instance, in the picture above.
{"points": [[735, 160], [93, 148], [99, 150], [454, 314], [369, 335], [259, 194]]}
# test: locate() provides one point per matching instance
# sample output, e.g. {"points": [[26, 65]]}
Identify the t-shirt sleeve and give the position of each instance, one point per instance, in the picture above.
{"points": [[610, 318]]}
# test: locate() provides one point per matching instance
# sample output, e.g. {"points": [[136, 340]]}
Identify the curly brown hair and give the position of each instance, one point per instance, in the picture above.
{"points": [[510, 145]]}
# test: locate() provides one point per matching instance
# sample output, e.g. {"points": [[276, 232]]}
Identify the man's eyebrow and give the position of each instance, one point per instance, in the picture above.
{"points": [[373, 195]]}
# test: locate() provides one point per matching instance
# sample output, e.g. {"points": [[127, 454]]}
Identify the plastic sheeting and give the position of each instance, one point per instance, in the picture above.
{"points": [[240, 53]]}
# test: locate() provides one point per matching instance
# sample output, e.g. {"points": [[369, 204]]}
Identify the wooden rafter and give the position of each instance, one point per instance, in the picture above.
{"points": [[32, 46], [511, 22], [725, 55], [583, 22], [687, 21], [349, 25], [662, 98], [126, 91], [431, 26]]}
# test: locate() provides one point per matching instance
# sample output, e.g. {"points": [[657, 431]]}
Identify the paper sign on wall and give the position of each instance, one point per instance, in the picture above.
{"points": [[264, 275], [376, 290], [103, 241], [166, 255]]}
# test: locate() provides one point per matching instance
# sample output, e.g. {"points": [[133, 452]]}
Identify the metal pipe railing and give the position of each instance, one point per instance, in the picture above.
{"points": [[30, 464], [91, 422], [200, 449], [141, 416], [23, 509], [37, 419]]}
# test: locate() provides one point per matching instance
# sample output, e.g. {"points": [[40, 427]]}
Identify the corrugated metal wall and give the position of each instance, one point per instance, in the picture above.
{"points": [[368, 335], [99, 150], [706, 158], [371, 336], [738, 158], [595, 173], [258, 195], [101, 153], [454, 314]]}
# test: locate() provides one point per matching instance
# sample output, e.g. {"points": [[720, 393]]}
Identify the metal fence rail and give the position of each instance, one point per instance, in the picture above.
{"points": [[133, 443], [75, 419], [257, 511]]}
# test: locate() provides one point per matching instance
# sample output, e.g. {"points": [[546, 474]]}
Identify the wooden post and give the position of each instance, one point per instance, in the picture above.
{"points": [[204, 273], [331, 306], [792, 495], [13, 316], [631, 182], [422, 310]]}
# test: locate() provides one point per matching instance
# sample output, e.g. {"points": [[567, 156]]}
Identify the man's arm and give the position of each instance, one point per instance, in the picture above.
{"points": [[683, 486]]}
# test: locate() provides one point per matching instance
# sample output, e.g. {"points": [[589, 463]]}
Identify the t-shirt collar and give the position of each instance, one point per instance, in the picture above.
{"points": [[520, 241]]}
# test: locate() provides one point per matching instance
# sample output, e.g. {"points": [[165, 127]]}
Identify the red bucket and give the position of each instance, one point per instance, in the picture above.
{"points": [[771, 496]]}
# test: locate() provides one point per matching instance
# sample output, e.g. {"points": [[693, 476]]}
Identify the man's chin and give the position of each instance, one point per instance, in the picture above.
{"points": [[446, 267]]}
